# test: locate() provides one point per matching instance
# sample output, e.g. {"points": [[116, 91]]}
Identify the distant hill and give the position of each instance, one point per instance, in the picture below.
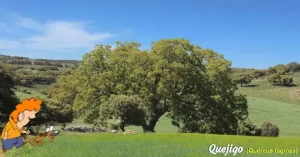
{"points": [[20, 60]]}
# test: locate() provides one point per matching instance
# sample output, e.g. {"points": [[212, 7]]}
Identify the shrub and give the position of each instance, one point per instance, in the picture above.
{"points": [[25, 91], [269, 130], [290, 80], [247, 128], [274, 78], [283, 80], [44, 92], [259, 73], [271, 71], [114, 124]]}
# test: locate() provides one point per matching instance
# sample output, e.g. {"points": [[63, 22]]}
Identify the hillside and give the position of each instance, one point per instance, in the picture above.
{"points": [[25, 61], [261, 88]]}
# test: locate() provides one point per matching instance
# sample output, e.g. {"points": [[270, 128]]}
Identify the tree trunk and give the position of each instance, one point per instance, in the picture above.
{"points": [[152, 123], [122, 127], [241, 84]]}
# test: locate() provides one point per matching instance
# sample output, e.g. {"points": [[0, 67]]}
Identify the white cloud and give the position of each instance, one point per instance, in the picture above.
{"points": [[29, 23], [54, 36], [65, 35]]}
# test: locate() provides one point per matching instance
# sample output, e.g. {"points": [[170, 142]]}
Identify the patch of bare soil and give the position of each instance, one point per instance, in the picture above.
{"points": [[295, 94], [2, 154]]}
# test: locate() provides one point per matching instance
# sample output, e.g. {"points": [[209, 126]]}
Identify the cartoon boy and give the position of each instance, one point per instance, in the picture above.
{"points": [[11, 134]]}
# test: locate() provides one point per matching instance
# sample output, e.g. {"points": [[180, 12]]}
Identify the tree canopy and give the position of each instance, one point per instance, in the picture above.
{"points": [[281, 69], [294, 66], [283, 80], [242, 78], [191, 84]]}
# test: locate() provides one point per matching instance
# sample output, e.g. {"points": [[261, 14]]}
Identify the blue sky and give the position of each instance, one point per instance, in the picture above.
{"points": [[250, 33]]}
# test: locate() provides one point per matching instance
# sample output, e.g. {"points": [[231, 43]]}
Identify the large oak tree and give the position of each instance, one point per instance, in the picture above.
{"points": [[191, 84]]}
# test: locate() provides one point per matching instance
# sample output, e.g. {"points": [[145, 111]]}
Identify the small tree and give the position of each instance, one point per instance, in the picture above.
{"points": [[281, 69], [272, 70], [294, 67], [286, 80], [258, 73], [269, 130], [274, 79], [242, 78]]}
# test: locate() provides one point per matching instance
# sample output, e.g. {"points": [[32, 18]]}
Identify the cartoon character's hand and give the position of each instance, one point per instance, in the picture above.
{"points": [[5, 138], [27, 132]]}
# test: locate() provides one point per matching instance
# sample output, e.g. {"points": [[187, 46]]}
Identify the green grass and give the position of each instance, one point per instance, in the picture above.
{"points": [[34, 92], [148, 145], [266, 103], [263, 106], [284, 115]]}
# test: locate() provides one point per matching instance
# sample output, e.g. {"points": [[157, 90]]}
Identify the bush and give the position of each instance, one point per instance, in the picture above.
{"points": [[259, 73], [44, 92], [274, 78], [25, 91], [269, 130], [114, 124], [271, 71], [287, 80], [282, 80], [247, 128]]}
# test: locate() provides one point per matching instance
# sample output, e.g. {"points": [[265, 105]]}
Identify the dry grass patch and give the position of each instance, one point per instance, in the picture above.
{"points": [[295, 94]]}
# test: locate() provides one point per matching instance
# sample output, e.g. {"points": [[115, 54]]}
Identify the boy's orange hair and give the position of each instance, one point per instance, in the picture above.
{"points": [[27, 104]]}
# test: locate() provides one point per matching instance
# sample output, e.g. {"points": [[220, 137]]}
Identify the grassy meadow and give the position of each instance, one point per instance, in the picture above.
{"points": [[266, 103], [261, 88], [150, 145]]}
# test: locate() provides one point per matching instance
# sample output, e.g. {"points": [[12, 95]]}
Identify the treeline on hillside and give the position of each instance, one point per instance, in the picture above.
{"points": [[8, 100], [39, 75], [280, 74], [17, 60], [277, 75], [244, 76], [12, 57], [129, 86]]}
